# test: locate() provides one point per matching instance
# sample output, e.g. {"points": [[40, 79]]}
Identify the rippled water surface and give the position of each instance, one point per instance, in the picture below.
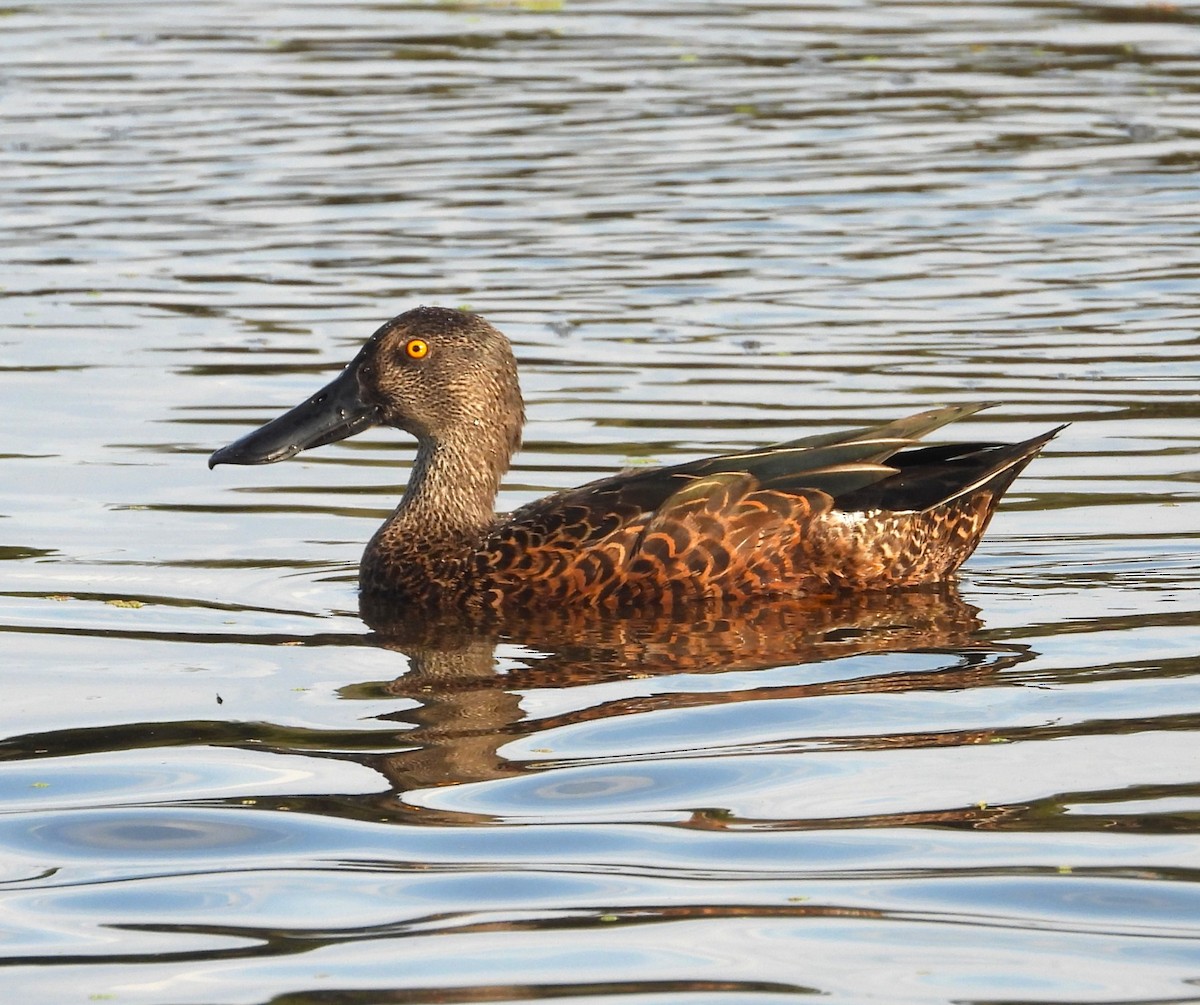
{"points": [[704, 226]]}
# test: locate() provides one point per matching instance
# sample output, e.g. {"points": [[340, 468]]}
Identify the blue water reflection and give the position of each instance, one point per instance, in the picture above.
{"points": [[704, 227]]}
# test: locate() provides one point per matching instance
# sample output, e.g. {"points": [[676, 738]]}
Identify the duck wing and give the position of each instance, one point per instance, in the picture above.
{"points": [[844, 465]]}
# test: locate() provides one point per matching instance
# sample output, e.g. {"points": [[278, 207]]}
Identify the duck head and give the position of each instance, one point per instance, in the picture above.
{"points": [[445, 376]]}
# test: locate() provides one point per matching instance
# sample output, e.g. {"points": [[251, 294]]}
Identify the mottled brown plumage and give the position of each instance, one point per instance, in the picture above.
{"points": [[864, 509]]}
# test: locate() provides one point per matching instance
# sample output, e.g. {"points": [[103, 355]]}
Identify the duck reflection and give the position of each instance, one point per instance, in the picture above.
{"points": [[467, 705]]}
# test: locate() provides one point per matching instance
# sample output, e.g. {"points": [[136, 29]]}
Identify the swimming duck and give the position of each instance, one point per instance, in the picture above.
{"points": [[857, 510]]}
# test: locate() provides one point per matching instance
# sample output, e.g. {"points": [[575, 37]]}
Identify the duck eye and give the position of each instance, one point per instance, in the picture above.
{"points": [[416, 348]]}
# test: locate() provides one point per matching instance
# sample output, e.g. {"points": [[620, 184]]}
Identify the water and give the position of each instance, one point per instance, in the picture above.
{"points": [[704, 226]]}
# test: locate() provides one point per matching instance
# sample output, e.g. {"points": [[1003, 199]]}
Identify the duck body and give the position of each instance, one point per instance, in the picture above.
{"points": [[862, 510]]}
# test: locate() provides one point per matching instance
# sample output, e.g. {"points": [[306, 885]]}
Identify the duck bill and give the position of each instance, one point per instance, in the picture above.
{"points": [[336, 411]]}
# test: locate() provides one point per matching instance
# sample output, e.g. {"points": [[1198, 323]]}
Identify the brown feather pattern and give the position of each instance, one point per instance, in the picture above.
{"points": [[860, 510]]}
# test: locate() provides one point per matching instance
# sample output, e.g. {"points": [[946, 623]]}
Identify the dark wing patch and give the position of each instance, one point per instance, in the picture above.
{"points": [[931, 476]]}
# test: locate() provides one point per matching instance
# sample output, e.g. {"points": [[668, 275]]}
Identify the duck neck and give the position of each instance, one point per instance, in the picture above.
{"points": [[452, 488]]}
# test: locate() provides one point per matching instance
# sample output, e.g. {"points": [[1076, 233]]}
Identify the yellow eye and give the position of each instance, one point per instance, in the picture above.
{"points": [[416, 348]]}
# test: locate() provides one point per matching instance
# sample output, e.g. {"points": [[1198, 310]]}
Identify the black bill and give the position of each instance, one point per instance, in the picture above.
{"points": [[333, 413]]}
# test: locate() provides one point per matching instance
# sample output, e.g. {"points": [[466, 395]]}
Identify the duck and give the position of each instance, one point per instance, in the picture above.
{"points": [[865, 509]]}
